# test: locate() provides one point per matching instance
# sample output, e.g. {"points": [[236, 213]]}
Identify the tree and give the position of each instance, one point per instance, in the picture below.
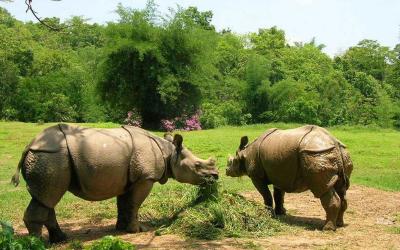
{"points": [[159, 69], [268, 40], [193, 16], [368, 57], [8, 86], [256, 93], [393, 73]]}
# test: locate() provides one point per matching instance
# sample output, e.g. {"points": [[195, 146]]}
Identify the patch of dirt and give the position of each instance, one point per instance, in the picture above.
{"points": [[368, 222]]}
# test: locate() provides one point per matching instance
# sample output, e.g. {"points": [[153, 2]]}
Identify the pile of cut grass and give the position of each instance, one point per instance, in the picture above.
{"points": [[216, 213]]}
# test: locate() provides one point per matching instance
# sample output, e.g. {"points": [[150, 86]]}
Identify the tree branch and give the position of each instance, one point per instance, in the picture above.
{"points": [[29, 8]]}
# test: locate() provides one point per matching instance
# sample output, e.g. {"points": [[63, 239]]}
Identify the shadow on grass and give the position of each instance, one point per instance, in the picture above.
{"points": [[94, 229]]}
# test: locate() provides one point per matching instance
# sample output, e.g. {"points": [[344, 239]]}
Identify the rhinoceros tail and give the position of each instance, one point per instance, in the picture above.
{"points": [[15, 178], [341, 173], [347, 168]]}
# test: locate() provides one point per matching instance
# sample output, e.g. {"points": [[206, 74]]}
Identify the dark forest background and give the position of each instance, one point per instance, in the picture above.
{"points": [[178, 64]]}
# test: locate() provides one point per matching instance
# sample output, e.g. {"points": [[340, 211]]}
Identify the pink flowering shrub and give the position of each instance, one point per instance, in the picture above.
{"points": [[168, 125], [184, 122], [193, 123], [133, 118]]}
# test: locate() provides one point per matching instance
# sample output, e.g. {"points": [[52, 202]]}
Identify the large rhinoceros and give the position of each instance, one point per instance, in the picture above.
{"points": [[296, 160], [97, 164]]}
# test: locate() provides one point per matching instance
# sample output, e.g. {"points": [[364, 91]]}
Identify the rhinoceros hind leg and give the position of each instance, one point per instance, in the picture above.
{"points": [[331, 203], [124, 204], [279, 198], [341, 189], [35, 216], [55, 233], [140, 191], [343, 207]]}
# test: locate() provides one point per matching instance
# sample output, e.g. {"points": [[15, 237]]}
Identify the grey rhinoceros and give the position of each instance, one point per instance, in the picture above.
{"points": [[296, 160], [97, 164]]}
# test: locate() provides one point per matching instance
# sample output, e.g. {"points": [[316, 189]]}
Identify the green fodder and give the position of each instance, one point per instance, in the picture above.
{"points": [[216, 213], [208, 191]]}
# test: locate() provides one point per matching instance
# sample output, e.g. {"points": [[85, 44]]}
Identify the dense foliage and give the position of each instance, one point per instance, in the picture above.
{"points": [[8, 240], [178, 65], [111, 243]]}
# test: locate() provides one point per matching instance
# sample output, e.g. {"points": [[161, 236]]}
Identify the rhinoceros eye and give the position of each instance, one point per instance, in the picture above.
{"points": [[197, 164]]}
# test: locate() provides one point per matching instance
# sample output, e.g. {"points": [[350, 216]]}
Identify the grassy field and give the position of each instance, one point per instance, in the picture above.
{"points": [[375, 153]]}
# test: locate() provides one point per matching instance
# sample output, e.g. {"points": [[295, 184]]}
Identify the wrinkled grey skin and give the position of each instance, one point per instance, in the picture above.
{"points": [[296, 160], [98, 164]]}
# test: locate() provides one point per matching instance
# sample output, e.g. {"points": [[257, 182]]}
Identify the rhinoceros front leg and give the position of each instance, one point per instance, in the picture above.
{"points": [[279, 198], [140, 191], [262, 187]]}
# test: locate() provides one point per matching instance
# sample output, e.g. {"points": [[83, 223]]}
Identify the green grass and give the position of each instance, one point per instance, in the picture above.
{"points": [[375, 154]]}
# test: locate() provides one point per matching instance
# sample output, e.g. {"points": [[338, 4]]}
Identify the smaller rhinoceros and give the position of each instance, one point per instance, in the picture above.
{"points": [[98, 164], [296, 160]]}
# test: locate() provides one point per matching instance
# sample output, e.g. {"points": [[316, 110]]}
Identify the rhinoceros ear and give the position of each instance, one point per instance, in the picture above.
{"points": [[168, 137], [178, 139], [243, 142]]}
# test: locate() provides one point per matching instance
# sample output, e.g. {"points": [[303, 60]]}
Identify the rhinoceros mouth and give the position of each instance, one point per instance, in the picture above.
{"points": [[231, 173], [214, 176], [228, 172], [210, 178]]}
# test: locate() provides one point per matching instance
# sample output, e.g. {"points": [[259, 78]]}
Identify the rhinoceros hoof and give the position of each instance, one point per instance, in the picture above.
{"points": [[120, 226], [136, 228], [270, 210], [280, 211], [329, 226], [57, 238], [339, 223]]}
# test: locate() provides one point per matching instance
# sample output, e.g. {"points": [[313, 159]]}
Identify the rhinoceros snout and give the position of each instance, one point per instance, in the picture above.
{"points": [[212, 174], [215, 176]]}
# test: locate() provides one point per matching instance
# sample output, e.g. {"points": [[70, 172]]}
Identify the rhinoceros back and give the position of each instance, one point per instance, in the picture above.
{"points": [[50, 140], [149, 155], [280, 159], [302, 158], [101, 159]]}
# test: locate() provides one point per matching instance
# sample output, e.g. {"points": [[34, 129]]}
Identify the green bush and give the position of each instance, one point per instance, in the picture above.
{"points": [[396, 120], [8, 86], [212, 116], [233, 112], [224, 113], [111, 243], [75, 245], [267, 116], [8, 241]]}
